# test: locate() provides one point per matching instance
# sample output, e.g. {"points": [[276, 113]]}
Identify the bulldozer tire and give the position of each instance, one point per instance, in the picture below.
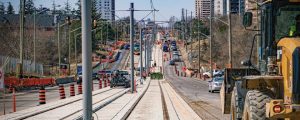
{"points": [[235, 111], [255, 104]]}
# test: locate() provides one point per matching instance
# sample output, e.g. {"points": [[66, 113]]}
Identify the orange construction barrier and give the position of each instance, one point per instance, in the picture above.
{"points": [[105, 83], [100, 84], [79, 88], [62, 92], [14, 101], [72, 90], [42, 96]]}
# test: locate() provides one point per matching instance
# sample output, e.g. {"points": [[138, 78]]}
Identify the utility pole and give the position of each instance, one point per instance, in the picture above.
{"points": [[131, 46], [86, 58], [58, 47], [199, 54], [34, 41], [75, 37], [69, 59], [141, 54], [182, 25], [191, 24], [211, 38], [146, 54], [229, 34], [186, 29], [22, 9]]}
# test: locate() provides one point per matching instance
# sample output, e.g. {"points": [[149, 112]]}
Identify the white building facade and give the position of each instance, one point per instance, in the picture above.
{"points": [[107, 9]]}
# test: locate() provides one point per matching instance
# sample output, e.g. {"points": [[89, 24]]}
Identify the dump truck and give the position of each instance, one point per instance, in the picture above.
{"points": [[270, 88]]}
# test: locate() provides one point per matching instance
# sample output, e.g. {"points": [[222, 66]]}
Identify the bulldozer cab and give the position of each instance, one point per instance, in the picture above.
{"points": [[277, 85], [278, 19]]}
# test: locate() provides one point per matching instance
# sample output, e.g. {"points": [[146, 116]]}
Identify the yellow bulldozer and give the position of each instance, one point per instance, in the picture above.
{"points": [[270, 88]]}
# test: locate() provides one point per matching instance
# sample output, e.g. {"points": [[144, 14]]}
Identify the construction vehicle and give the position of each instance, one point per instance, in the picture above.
{"points": [[270, 89], [120, 78]]}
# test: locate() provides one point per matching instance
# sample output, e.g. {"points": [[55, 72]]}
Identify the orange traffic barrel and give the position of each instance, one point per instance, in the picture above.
{"points": [[42, 96], [72, 90], [10, 88], [105, 83], [79, 88], [108, 82], [62, 92], [100, 84]]}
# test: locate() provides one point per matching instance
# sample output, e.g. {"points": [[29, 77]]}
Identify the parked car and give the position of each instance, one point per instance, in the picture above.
{"points": [[173, 43], [219, 73], [215, 73], [175, 53], [165, 48], [176, 58], [173, 48], [127, 46], [215, 84], [171, 62]]}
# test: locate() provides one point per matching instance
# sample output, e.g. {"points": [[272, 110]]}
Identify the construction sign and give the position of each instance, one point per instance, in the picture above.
{"points": [[1, 78]]}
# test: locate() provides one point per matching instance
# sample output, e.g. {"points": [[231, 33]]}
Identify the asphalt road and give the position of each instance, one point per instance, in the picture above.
{"points": [[195, 92]]}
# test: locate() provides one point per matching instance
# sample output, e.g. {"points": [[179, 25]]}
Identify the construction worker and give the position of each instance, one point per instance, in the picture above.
{"points": [[295, 29]]}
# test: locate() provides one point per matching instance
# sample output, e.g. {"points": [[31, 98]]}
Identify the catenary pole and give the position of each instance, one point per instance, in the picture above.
{"points": [[86, 58], [131, 46], [211, 37], [229, 34], [141, 54]]}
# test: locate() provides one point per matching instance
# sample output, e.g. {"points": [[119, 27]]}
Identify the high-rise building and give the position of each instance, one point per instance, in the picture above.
{"points": [[107, 9], [197, 8], [236, 6], [219, 7], [202, 8]]}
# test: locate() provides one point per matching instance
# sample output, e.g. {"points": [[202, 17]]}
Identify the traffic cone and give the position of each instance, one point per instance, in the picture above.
{"points": [[72, 90], [79, 88], [100, 84], [10, 88], [108, 80], [105, 83], [42, 96], [62, 92]]}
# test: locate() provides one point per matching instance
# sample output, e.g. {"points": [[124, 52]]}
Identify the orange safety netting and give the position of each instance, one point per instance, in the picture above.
{"points": [[28, 82]]}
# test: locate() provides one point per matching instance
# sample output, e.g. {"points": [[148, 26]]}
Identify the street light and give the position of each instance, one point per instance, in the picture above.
{"points": [[199, 67], [68, 22], [229, 37], [34, 36]]}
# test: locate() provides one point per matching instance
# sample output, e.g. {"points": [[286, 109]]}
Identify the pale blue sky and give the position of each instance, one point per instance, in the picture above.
{"points": [[167, 8]]}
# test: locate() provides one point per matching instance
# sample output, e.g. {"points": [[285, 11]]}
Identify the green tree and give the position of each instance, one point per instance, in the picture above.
{"points": [[29, 7], [95, 13], [198, 26], [10, 9], [67, 7], [78, 10], [2, 9]]}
